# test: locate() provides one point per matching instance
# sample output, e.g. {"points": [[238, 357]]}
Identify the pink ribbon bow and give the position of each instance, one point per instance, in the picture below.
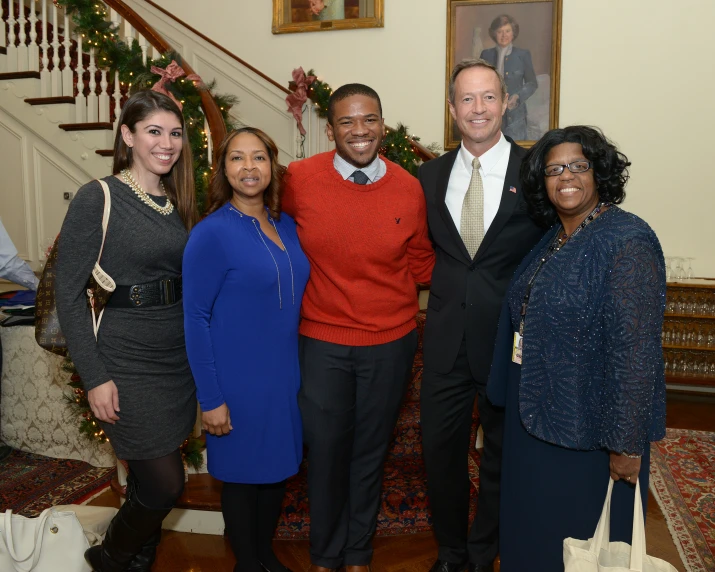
{"points": [[299, 95], [172, 72]]}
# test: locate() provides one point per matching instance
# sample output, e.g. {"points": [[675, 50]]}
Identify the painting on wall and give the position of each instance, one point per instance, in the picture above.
{"points": [[522, 39], [320, 15]]}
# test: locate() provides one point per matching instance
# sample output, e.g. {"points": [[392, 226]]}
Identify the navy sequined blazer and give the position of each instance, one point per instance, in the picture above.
{"points": [[592, 372]]}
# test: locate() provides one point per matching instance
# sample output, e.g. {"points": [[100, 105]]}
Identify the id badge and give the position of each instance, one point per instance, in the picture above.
{"points": [[516, 350]]}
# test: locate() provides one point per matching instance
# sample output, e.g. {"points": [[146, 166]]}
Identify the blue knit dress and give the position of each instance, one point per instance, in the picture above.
{"points": [[242, 296]]}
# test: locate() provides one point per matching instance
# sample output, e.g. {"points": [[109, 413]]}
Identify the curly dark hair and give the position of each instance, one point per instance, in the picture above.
{"points": [[610, 169], [220, 190]]}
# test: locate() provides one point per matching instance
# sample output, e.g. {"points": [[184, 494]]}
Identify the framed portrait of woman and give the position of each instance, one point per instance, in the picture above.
{"points": [[320, 15], [522, 39]]}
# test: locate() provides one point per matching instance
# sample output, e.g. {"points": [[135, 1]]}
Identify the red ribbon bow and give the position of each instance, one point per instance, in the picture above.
{"points": [[298, 97], [172, 72]]}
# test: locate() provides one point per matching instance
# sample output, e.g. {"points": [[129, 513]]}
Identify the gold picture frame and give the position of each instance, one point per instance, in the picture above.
{"points": [[292, 16], [471, 33]]}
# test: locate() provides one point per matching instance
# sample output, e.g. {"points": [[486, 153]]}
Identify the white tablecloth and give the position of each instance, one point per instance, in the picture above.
{"points": [[34, 414]]}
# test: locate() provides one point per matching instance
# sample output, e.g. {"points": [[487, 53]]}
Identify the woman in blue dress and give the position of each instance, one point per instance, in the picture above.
{"points": [[244, 276], [585, 390]]}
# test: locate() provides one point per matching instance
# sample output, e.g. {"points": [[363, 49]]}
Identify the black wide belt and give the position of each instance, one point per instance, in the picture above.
{"points": [[156, 293]]}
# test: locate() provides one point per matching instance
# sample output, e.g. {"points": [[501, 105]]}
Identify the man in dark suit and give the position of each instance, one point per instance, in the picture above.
{"points": [[481, 231]]}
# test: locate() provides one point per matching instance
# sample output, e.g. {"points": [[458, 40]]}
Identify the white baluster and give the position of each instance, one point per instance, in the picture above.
{"points": [[45, 71], [128, 33], [22, 62], [11, 47], [79, 99], [34, 49], [103, 98], [155, 54], [92, 101], [143, 46], [55, 76], [67, 77], [3, 37], [117, 100]]}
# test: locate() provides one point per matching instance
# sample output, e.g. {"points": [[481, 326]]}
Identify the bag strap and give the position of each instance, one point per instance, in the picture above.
{"points": [[638, 537], [603, 528], [36, 545], [105, 215]]}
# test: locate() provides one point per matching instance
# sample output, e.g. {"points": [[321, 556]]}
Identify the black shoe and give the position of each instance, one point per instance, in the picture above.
{"points": [[283, 569], [143, 561], [132, 530], [481, 567], [444, 566]]}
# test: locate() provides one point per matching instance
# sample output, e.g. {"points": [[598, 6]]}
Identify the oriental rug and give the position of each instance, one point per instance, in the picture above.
{"points": [[30, 483], [682, 479]]}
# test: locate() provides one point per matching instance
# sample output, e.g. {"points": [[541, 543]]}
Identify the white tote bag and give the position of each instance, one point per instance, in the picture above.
{"points": [[598, 554], [52, 542]]}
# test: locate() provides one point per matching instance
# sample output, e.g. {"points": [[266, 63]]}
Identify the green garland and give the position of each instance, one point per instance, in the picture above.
{"points": [[90, 19], [397, 144], [191, 450]]}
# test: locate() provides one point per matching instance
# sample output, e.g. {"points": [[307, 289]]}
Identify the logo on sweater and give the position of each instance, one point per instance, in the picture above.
{"points": [[397, 220], [512, 190]]}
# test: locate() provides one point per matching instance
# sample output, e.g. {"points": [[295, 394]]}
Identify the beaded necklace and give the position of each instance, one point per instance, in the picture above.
{"points": [[166, 210], [556, 244]]}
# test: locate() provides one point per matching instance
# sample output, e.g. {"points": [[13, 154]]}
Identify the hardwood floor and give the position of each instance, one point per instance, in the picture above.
{"points": [[184, 552]]}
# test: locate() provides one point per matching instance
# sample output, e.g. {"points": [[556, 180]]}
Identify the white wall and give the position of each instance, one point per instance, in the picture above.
{"points": [[642, 70]]}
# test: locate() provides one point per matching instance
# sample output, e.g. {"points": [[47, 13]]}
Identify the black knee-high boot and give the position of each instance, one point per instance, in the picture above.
{"points": [[143, 561], [131, 539]]}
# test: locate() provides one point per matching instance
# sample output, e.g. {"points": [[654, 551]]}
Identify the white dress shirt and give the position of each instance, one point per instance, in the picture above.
{"points": [[374, 171], [12, 267], [492, 168]]}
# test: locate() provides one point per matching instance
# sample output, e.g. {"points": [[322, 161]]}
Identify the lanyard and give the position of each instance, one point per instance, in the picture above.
{"points": [[554, 247]]}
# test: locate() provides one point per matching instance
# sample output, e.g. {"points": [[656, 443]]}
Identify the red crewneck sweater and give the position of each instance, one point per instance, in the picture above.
{"points": [[367, 246]]}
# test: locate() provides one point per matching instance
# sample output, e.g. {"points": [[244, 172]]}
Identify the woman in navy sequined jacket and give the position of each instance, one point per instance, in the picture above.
{"points": [[585, 392]]}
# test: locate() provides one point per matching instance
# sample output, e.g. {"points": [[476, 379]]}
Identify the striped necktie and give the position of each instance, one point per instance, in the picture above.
{"points": [[471, 223]]}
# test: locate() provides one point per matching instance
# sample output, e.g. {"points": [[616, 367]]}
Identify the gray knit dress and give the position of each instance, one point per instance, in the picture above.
{"points": [[141, 349]]}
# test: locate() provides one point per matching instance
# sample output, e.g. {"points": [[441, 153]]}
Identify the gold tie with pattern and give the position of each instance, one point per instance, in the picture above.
{"points": [[471, 223]]}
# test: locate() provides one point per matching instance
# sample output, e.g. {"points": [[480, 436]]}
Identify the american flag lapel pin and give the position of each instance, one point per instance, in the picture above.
{"points": [[512, 190]]}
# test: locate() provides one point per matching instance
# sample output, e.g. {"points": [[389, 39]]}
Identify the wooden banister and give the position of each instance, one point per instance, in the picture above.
{"points": [[213, 114]]}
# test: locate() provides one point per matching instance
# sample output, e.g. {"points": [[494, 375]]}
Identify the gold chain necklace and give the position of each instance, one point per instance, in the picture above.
{"points": [[166, 210]]}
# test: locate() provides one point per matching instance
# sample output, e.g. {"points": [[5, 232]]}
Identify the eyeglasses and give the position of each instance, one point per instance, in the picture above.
{"points": [[574, 167]]}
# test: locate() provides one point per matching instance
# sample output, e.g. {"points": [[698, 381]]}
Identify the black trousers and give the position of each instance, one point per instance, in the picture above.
{"points": [[349, 400], [446, 405]]}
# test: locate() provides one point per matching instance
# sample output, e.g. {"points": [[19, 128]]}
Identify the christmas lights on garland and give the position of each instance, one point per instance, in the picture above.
{"points": [[113, 53], [191, 449], [397, 144]]}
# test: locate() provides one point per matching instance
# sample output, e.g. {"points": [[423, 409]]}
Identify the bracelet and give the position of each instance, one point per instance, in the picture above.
{"points": [[624, 454]]}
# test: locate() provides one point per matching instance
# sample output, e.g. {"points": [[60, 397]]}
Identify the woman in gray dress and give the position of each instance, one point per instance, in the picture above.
{"points": [[135, 372]]}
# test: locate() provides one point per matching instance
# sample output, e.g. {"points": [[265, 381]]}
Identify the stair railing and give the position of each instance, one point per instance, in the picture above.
{"points": [[53, 54]]}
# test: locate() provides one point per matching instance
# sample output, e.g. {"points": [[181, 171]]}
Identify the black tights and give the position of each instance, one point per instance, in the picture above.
{"points": [[251, 513], [159, 482]]}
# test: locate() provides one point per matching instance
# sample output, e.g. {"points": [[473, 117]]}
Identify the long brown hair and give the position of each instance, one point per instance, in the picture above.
{"points": [[220, 190], [179, 182]]}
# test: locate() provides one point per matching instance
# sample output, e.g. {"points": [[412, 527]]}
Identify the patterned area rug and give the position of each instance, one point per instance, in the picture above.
{"points": [[31, 483], [682, 476], [404, 507]]}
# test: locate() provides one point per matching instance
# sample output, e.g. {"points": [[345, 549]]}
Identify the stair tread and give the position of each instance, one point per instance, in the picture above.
{"points": [[20, 75], [86, 126], [105, 152], [50, 100]]}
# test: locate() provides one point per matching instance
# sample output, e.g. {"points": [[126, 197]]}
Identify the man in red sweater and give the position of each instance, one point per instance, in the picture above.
{"points": [[362, 222]]}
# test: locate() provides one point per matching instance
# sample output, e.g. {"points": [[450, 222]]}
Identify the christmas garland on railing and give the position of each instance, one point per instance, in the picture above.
{"points": [[397, 144], [191, 450], [90, 19]]}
